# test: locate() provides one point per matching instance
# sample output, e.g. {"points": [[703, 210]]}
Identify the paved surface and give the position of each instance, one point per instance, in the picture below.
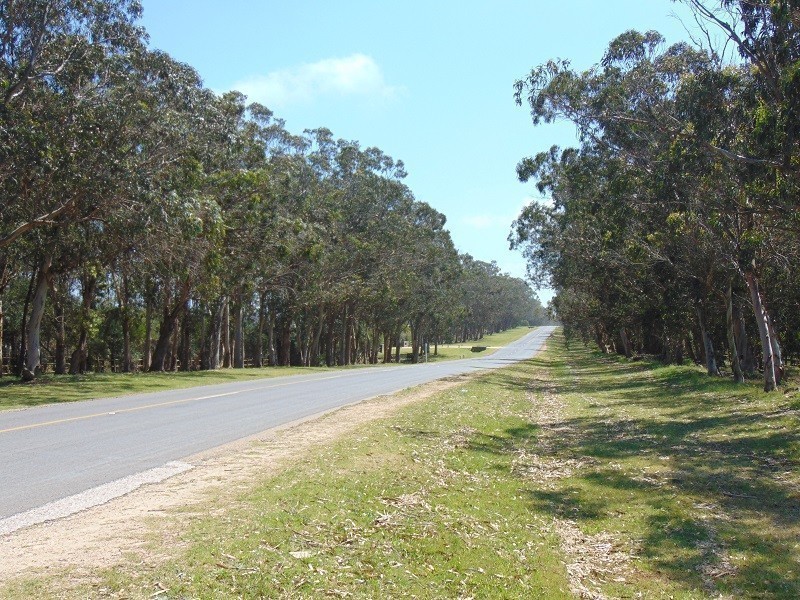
{"points": [[54, 452]]}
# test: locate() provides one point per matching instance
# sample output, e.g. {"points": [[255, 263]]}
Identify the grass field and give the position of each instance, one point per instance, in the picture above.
{"points": [[71, 388], [457, 351], [570, 474], [50, 389], [697, 476]]}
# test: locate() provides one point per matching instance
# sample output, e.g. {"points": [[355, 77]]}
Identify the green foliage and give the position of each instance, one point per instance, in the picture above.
{"points": [[185, 206], [686, 179]]}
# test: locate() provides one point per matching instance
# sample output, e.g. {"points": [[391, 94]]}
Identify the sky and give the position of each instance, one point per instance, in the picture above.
{"points": [[430, 83]]}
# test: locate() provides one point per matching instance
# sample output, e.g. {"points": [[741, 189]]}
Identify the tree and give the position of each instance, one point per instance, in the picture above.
{"points": [[666, 125]]}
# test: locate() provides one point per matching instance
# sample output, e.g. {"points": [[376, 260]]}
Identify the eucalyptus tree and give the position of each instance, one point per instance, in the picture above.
{"points": [[431, 273], [65, 126], [49, 54], [175, 152], [664, 114], [583, 244], [753, 133]]}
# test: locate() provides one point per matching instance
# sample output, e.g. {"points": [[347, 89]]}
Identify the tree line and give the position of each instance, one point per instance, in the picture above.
{"points": [[674, 227], [149, 223]]}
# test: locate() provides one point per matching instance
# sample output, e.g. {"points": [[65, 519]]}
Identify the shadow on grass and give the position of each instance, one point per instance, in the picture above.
{"points": [[708, 467]]}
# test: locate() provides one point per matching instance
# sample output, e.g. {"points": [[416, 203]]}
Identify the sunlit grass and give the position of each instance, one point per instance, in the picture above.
{"points": [[699, 476], [48, 388], [491, 342], [467, 494]]}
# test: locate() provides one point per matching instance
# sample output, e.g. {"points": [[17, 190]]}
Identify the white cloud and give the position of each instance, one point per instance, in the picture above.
{"points": [[502, 222], [356, 75], [486, 221]]}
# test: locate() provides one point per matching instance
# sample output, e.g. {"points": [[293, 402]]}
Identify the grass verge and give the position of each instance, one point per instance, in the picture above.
{"points": [[49, 389], [570, 473], [693, 477], [492, 342]]}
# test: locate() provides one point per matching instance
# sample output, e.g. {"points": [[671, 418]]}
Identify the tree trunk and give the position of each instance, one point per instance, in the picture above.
{"points": [[1, 338], [397, 349], [159, 361], [258, 359], [303, 339], [414, 345], [172, 358], [238, 332], [330, 350], [315, 345], [692, 347], [226, 333], [78, 360], [762, 320], [60, 358], [271, 350], [148, 328], [708, 344], [776, 352], [127, 358], [186, 339], [599, 338], [736, 365], [165, 331], [286, 340], [344, 355], [34, 330], [626, 344], [376, 342], [23, 337], [202, 338], [169, 321], [352, 354], [743, 347], [215, 335]]}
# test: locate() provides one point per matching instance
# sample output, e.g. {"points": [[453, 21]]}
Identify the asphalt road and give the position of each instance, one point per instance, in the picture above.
{"points": [[53, 452]]}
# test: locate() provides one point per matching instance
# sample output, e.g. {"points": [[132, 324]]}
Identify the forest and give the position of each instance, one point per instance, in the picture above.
{"points": [[148, 223], [674, 227]]}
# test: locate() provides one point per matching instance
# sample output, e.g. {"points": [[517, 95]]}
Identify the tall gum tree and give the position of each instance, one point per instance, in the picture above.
{"points": [[634, 103]]}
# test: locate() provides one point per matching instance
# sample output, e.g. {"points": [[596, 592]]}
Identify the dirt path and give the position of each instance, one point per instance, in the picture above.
{"points": [[106, 535], [590, 559]]}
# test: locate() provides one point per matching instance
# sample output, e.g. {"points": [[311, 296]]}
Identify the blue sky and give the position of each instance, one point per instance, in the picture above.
{"points": [[427, 82]]}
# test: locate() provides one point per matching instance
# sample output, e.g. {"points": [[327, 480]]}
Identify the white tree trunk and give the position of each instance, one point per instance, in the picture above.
{"points": [[762, 320], [736, 365], [34, 330]]}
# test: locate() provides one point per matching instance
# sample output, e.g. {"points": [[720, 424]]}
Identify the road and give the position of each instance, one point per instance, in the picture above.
{"points": [[54, 452]]}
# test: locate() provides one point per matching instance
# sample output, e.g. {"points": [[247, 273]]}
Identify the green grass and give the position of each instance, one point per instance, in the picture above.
{"points": [[700, 476], [49, 389], [466, 493], [412, 506], [458, 351]]}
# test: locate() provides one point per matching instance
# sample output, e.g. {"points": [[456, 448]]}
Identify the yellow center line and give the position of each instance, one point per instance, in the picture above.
{"points": [[169, 403]]}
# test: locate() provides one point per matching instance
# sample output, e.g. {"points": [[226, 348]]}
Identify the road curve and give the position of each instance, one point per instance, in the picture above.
{"points": [[58, 451]]}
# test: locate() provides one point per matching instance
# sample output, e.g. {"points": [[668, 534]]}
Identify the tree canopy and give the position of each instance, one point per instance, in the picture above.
{"points": [[149, 223]]}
